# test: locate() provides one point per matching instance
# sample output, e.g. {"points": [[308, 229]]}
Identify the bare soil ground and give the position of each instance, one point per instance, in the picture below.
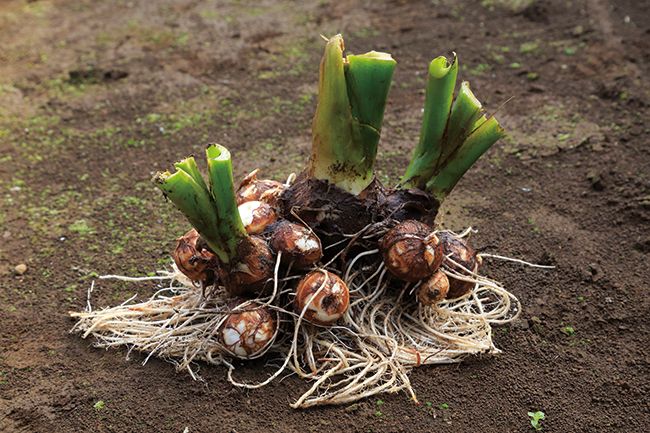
{"points": [[96, 96]]}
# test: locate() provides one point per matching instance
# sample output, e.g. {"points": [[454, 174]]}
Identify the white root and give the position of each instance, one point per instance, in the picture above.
{"points": [[371, 350]]}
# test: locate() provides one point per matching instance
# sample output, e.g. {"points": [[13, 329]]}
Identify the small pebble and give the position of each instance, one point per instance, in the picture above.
{"points": [[20, 269], [521, 324], [352, 408], [596, 181], [578, 30]]}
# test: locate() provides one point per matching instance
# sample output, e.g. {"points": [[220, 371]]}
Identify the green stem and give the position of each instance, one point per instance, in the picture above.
{"points": [[188, 165], [465, 111], [465, 156], [194, 201], [352, 96], [437, 104], [481, 120], [368, 78], [230, 226]]}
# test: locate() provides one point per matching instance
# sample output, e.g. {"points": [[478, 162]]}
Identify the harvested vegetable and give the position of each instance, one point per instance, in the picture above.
{"points": [[434, 289], [256, 216], [462, 261], [245, 263], [254, 189], [324, 297], [331, 247], [248, 333], [338, 192], [194, 259], [253, 269], [299, 245], [411, 251]]}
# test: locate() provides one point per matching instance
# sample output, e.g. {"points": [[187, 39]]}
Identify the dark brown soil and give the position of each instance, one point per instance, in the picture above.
{"points": [[96, 96]]}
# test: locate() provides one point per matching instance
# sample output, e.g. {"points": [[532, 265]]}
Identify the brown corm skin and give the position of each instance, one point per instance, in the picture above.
{"points": [[295, 242], [409, 204], [252, 188], [462, 254], [434, 289], [252, 271], [331, 302], [332, 212], [329, 210], [193, 260], [411, 251], [263, 215]]}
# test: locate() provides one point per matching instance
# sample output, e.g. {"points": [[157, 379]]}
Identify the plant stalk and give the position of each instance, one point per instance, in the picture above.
{"points": [[465, 111], [465, 156], [194, 201], [211, 211], [188, 165], [352, 96], [437, 105], [222, 188]]}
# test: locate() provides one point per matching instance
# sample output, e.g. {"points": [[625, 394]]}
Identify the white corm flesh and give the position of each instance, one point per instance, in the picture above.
{"points": [[256, 216], [249, 333]]}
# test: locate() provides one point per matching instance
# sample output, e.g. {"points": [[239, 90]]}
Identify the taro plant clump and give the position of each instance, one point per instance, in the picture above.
{"points": [[346, 278]]}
